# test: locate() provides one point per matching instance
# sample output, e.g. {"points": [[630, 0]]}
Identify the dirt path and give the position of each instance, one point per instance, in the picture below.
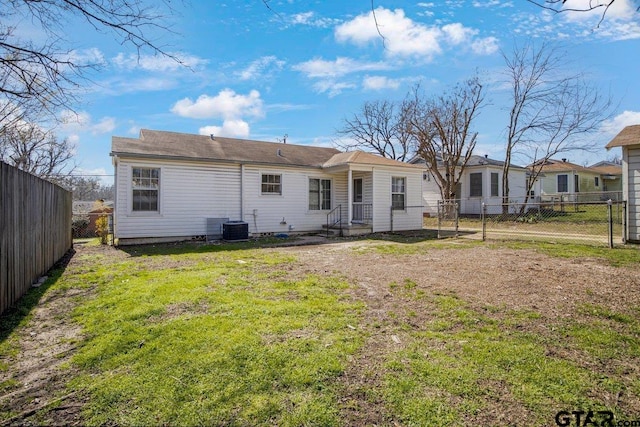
{"points": [[481, 276]]}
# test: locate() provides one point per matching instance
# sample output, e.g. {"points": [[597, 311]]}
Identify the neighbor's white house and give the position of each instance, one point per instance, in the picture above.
{"points": [[173, 186], [629, 140], [481, 182]]}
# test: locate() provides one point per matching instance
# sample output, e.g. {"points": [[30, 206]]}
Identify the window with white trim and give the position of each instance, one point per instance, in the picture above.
{"points": [[145, 189], [495, 186], [563, 183], [475, 184], [319, 194], [398, 193], [271, 183]]}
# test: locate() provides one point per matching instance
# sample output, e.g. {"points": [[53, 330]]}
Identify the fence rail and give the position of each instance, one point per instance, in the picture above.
{"points": [[35, 230], [596, 222]]}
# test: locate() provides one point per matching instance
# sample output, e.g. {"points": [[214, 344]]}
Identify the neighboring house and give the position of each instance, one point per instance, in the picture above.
{"points": [[86, 213], [563, 178], [481, 182], [168, 185], [629, 140], [611, 177]]}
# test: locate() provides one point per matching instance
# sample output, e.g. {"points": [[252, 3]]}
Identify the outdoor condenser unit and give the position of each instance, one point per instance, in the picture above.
{"points": [[233, 231]]}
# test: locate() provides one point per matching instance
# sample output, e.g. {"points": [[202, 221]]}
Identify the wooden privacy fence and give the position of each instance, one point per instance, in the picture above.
{"points": [[35, 230]]}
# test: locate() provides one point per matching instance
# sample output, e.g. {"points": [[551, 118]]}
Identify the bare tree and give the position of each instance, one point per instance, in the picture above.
{"points": [[379, 127], [86, 188], [551, 111], [47, 73], [34, 150], [442, 128]]}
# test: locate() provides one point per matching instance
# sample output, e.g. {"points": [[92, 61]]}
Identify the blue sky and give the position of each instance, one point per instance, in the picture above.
{"points": [[301, 67]]}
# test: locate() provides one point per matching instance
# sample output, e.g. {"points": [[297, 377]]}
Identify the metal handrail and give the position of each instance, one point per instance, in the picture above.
{"points": [[366, 210], [334, 217]]}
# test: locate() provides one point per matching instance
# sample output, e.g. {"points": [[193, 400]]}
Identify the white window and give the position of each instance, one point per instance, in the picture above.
{"points": [[271, 184], [475, 184], [398, 193], [146, 189], [563, 183], [319, 194]]}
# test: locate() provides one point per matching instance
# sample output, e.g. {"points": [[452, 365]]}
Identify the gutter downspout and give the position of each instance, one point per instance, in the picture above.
{"points": [[242, 191], [349, 196]]}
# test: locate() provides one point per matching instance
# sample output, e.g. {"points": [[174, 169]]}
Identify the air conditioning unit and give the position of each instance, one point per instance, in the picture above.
{"points": [[235, 231]]}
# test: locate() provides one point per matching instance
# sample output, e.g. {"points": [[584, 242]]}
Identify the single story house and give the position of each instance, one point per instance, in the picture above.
{"points": [[566, 179], [610, 178], [629, 140], [174, 186], [481, 182]]}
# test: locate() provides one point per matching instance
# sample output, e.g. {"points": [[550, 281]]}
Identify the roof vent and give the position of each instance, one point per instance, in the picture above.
{"points": [[279, 153], [564, 160], [486, 156], [212, 138]]}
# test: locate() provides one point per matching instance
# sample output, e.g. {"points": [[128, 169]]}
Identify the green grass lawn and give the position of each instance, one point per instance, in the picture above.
{"points": [[236, 335], [212, 338]]}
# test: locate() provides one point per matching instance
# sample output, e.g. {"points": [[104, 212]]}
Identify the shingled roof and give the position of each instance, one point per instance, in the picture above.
{"points": [[630, 135], [363, 158], [155, 144], [182, 146]]}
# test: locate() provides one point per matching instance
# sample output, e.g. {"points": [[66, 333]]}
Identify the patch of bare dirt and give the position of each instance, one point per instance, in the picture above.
{"points": [[488, 279], [40, 371]]}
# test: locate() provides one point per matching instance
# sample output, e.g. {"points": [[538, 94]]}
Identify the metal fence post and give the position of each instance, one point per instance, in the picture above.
{"points": [[484, 221], [455, 206], [624, 221], [610, 222], [439, 217]]}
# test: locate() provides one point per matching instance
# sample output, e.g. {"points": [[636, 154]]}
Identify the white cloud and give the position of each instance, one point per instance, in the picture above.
{"points": [[404, 37], [320, 68], [380, 83], [331, 87], [492, 3], [82, 121], [485, 46], [619, 9], [310, 19], [159, 63], [105, 125], [615, 125], [457, 33], [229, 128], [619, 23], [91, 56], [260, 68], [227, 105]]}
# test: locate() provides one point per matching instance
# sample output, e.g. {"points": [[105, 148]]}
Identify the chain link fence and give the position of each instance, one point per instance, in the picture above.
{"points": [[88, 225], [592, 222]]}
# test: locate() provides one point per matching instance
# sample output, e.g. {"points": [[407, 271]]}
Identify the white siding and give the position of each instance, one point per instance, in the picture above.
{"points": [[192, 192], [288, 212], [473, 205], [631, 180], [189, 193], [430, 195], [411, 217]]}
